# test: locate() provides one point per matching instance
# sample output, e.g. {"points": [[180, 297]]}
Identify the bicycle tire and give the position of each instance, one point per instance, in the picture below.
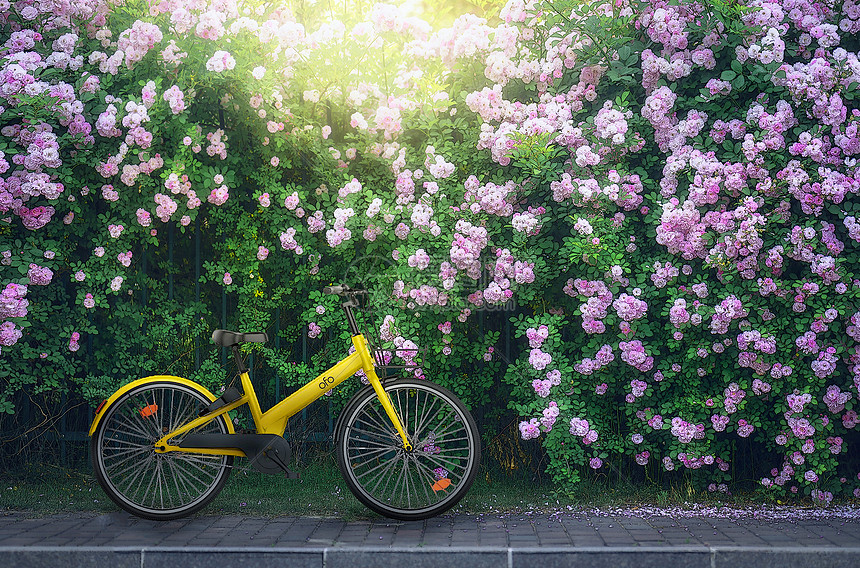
{"points": [[400, 484], [147, 484]]}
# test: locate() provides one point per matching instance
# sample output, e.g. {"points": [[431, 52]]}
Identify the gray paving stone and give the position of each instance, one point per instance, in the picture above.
{"points": [[231, 559], [37, 557], [627, 558], [417, 558], [796, 558]]}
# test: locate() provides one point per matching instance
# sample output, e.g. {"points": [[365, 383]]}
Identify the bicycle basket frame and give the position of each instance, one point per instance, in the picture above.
{"points": [[385, 353]]}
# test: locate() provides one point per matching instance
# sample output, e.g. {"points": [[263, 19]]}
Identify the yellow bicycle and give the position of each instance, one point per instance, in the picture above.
{"points": [[162, 447]]}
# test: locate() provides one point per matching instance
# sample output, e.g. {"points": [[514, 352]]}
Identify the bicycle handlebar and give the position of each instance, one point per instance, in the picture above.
{"points": [[343, 290]]}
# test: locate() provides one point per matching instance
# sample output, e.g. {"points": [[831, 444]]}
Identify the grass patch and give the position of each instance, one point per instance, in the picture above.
{"points": [[321, 491], [51, 489]]}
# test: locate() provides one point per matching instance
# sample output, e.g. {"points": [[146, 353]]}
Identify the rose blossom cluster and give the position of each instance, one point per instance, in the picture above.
{"points": [[469, 240], [835, 399], [685, 431], [629, 307], [529, 222], [725, 312], [748, 343], [637, 389], [633, 353], [625, 191], [490, 198], [589, 366], [537, 336], [596, 307], [507, 271], [12, 305], [580, 427], [733, 394]]}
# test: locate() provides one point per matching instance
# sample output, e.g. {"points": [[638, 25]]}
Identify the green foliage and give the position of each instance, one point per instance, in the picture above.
{"points": [[298, 171]]}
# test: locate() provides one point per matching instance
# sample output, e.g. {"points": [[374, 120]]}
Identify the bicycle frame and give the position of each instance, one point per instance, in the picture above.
{"points": [[274, 420]]}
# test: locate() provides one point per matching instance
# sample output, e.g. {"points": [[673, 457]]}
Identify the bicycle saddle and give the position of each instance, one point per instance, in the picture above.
{"points": [[226, 338]]}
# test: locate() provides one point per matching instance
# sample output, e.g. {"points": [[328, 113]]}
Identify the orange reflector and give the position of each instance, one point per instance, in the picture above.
{"points": [[441, 484], [148, 411]]}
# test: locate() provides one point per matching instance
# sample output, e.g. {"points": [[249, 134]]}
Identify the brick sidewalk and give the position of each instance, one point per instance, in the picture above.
{"points": [[118, 539]]}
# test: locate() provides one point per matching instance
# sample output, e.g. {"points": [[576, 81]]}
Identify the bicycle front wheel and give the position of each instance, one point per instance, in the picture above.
{"points": [[149, 484], [408, 484]]}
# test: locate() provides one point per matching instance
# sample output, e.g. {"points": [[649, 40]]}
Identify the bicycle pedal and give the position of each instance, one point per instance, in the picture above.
{"points": [[292, 475]]}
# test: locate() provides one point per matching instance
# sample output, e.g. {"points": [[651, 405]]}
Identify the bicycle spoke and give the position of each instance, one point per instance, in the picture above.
{"points": [[202, 459], [177, 479], [420, 427], [356, 455], [125, 442], [117, 445], [449, 456], [407, 477], [428, 477], [427, 425], [148, 424], [182, 417], [388, 463], [382, 423], [376, 438], [138, 474], [135, 431], [397, 482], [448, 466], [133, 466], [143, 500], [196, 465], [159, 475], [114, 464], [444, 428], [185, 476]]}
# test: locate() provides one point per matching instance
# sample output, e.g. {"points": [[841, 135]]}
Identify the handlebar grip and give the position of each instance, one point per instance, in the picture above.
{"points": [[338, 290]]}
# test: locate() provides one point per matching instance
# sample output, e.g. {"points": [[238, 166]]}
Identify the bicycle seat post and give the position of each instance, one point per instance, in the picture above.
{"points": [[240, 365]]}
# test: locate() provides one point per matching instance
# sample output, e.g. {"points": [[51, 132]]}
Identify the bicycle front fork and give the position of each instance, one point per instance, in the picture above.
{"points": [[361, 346]]}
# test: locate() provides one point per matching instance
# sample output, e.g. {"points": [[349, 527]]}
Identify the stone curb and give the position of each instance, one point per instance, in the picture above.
{"points": [[477, 557]]}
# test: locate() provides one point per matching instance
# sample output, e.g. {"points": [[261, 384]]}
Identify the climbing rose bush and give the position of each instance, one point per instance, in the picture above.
{"points": [[665, 212], [731, 320]]}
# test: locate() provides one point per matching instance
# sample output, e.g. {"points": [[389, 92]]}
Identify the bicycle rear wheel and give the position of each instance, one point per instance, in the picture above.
{"points": [[145, 483], [408, 484]]}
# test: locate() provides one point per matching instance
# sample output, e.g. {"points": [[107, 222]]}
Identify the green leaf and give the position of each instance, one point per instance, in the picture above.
{"points": [[728, 75], [736, 67]]}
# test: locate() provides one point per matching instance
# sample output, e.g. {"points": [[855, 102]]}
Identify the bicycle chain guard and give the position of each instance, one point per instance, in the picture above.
{"points": [[267, 453]]}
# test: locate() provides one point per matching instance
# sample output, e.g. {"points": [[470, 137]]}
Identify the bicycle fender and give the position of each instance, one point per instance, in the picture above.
{"points": [[153, 379]]}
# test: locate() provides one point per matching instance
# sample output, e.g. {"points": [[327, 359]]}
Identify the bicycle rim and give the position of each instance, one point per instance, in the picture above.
{"points": [[415, 484], [143, 482]]}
